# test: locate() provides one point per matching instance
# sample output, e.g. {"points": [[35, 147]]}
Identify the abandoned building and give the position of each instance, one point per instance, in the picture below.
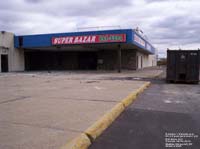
{"points": [[92, 50]]}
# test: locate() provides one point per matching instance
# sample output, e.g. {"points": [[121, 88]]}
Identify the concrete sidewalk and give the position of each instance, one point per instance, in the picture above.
{"points": [[42, 110]]}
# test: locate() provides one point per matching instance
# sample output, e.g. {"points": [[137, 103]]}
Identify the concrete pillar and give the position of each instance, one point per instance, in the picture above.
{"points": [[119, 58], [16, 60], [15, 56]]}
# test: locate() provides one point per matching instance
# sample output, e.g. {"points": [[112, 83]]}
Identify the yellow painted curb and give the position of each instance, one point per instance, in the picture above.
{"points": [[131, 97], [84, 140], [80, 142], [100, 125]]}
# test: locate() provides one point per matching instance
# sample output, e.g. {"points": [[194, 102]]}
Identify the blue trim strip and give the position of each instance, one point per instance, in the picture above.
{"points": [[44, 40]]}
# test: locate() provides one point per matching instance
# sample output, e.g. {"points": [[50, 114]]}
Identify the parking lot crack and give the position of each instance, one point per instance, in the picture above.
{"points": [[15, 99], [41, 126], [96, 100]]}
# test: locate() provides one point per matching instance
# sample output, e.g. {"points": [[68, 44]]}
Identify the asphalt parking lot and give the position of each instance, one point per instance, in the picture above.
{"points": [[162, 110], [47, 109]]}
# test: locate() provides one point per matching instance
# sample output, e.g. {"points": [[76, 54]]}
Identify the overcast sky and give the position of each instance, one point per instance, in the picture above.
{"points": [[167, 23]]}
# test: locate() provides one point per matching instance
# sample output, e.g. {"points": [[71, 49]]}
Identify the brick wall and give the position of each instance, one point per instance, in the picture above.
{"points": [[129, 59], [109, 61]]}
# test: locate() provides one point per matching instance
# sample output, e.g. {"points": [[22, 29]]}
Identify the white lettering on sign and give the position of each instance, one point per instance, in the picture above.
{"points": [[63, 40], [74, 40], [84, 39], [104, 38], [139, 40], [93, 39]]}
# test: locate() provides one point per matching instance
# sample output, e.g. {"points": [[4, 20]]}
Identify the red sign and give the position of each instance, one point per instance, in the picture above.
{"points": [[86, 39]]}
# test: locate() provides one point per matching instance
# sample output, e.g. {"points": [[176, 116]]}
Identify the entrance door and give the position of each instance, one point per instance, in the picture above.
{"points": [[4, 63]]}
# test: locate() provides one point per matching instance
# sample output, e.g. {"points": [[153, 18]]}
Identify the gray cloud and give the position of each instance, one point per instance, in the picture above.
{"points": [[160, 1], [33, 1], [178, 29], [151, 1], [167, 23]]}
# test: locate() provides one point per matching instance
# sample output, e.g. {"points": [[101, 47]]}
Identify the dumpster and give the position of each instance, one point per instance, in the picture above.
{"points": [[183, 66]]}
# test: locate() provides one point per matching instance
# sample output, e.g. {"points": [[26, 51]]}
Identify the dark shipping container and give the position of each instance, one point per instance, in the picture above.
{"points": [[183, 66]]}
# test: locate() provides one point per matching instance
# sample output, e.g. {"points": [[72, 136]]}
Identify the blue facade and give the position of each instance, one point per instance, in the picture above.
{"points": [[146, 46], [44, 40]]}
